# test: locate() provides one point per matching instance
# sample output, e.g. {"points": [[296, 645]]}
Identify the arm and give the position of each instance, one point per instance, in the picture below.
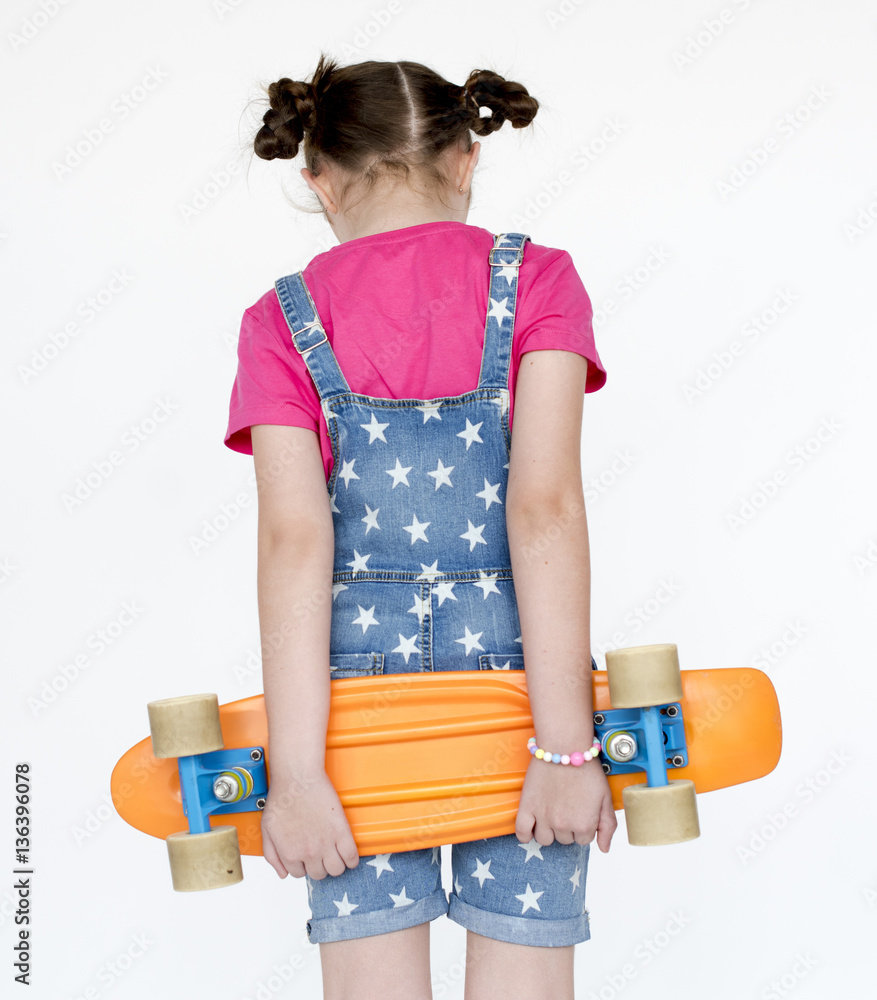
{"points": [[294, 583], [304, 826], [548, 542]]}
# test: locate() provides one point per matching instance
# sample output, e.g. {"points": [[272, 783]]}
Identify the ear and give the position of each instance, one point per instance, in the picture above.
{"points": [[473, 155], [321, 189]]}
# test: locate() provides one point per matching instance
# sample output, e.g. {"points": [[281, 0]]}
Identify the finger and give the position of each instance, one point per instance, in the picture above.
{"points": [[316, 870], [296, 869], [544, 834], [272, 857], [608, 824], [335, 864], [348, 850], [524, 826]]}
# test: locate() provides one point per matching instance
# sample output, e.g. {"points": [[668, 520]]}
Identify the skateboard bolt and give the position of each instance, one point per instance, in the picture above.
{"points": [[677, 760], [234, 785], [224, 789], [599, 718], [620, 746], [255, 755], [672, 711]]}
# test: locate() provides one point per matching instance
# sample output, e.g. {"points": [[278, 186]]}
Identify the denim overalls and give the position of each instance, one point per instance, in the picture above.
{"points": [[423, 581]]}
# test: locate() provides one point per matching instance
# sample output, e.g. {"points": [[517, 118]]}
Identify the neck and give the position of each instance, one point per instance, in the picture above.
{"points": [[394, 215]]}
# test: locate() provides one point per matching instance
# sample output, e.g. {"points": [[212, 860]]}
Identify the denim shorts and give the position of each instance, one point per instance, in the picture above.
{"points": [[502, 889]]}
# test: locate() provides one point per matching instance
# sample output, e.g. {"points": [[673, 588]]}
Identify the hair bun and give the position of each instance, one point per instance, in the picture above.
{"points": [[292, 113], [507, 100]]}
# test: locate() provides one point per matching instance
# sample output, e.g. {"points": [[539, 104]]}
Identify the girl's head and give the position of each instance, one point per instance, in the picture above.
{"points": [[366, 128]]}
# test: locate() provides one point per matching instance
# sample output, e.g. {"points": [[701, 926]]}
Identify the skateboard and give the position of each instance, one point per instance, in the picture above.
{"points": [[427, 759]]}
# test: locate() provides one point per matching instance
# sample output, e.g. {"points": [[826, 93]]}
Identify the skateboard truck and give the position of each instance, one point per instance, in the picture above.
{"points": [[213, 782], [220, 782], [644, 731], [646, 739]]}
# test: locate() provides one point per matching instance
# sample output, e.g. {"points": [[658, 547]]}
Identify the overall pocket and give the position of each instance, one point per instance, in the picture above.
{"points": [[501, 661], [355, 664]]}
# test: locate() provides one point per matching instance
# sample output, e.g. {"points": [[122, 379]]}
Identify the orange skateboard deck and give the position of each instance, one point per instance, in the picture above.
{"points": [[420, 760]]}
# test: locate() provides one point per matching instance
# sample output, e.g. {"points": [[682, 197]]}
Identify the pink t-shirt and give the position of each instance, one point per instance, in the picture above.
{"points": [[405, 313]]}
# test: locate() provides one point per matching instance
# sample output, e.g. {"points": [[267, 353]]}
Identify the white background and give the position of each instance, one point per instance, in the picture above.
{"points": [[721, 189]]}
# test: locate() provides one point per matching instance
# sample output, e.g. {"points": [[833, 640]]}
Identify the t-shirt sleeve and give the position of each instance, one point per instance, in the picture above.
{"points": [[558, 316], [267, 389]]}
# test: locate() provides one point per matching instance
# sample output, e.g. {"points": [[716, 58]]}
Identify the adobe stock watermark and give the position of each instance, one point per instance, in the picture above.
{"points": [[796, 459], [32, 24], [121, 108], [733, 692], [730, 695], [629, 284], [111, 971], [866, 216], [749, 333], [105, 810], [867, 560], [272, 642], [782, 986], [87, 310], [97, 642], [6, 569], [214, 527], [283, 790], [366, 33], [396, 341], [222, 8], [250, 668], [712, 28], [205, 196], [230, 511], [640, 615], [381, 703], [786, 126], [449, 977], [770, 656], [557, 528], [598, 485], [806, 792], [276, 981], [103, 469], [478, 778], [559, 15], [583, 157], [778, 989], [643, 955]]}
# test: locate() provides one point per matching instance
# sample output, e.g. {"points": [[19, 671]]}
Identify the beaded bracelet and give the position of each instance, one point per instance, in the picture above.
{"points": [[576, 759]]}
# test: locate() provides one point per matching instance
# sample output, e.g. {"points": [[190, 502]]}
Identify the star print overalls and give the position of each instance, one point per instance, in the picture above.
{"points": [[423, 581]]}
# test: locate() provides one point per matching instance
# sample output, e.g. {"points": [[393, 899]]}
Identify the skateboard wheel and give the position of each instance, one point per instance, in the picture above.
{"points": [[205, 860], [181, 727], [661, 814], [640, 676]]}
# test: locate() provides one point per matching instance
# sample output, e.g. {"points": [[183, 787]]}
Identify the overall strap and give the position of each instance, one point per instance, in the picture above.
{"points": [[505, 260], [309, 337]]}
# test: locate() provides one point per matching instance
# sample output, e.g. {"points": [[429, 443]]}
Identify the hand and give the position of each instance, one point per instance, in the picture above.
{"points": [[566, 803], [304, 828]]}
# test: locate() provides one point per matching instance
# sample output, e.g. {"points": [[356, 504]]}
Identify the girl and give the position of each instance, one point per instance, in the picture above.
{"points": [[403, 529]]}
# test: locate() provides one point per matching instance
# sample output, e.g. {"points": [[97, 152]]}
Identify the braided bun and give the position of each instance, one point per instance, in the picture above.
{"points": [[292, 113], [507, 100]]}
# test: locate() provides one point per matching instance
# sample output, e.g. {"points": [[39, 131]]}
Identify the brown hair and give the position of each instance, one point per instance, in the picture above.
{"points": [[372, 118]]}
